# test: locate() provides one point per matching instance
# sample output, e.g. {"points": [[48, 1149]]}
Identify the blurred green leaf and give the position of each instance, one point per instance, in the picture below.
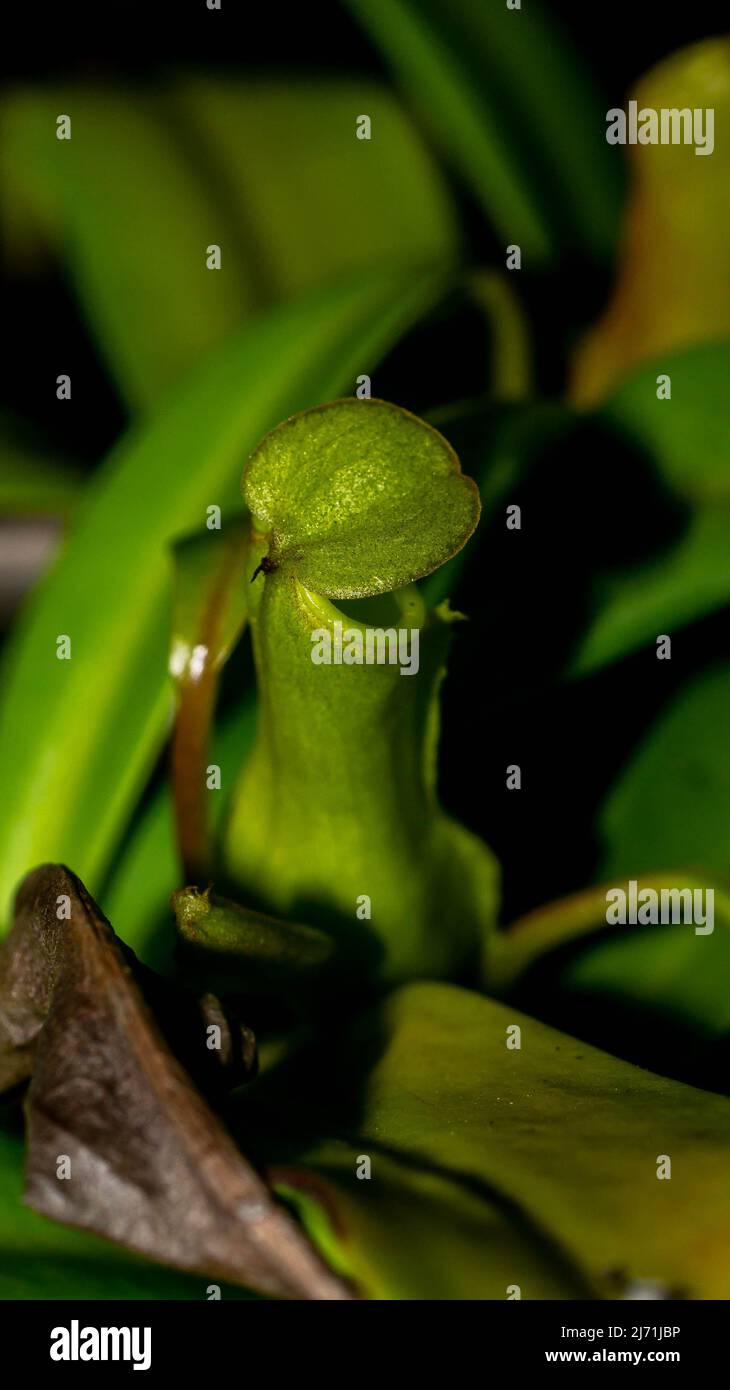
{"points": [[661, 969], [670, 805], [676, 225], [689, 435], [78, 737], [145, 872], [409, 1232], [666, 971], [309, 200], [151, 178], [688, 440], [32, 481], [508, 101], [129, 213], [568, 1133], [359, 498], [662, 595], [38, 496]]}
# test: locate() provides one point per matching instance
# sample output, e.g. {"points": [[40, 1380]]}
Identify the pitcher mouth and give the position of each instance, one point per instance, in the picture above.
{"points": [[402, 607]]}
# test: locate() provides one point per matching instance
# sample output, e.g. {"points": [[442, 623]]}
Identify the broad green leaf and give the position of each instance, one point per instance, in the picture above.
{"points": [[509, 104], [271, 173], [673, 286], [568, 1133], [670, 805], [40, 1259], [359, 498], [410, 1232], [78, 737]]}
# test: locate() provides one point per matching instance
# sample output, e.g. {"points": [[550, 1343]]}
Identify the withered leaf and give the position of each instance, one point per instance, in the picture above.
{"points": [[151, 1167]]}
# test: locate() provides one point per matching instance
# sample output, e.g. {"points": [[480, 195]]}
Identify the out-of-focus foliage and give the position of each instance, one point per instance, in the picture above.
{"points": [[687, 441], [673, 287], [670, 805], [512, 110], [669, 972], [149, 181], [32, 481]]}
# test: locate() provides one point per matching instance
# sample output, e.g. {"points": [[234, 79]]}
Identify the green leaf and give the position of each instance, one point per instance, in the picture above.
{"points": [[687, 439], [309, 200], [670, 805], [662, 596], [689, 435], [567, 1133], [508, 102], [359, 498], [273, 174], [145, 872], [33, 482], [78, 737], [668, 970], [409, 1232], [134, 219]]}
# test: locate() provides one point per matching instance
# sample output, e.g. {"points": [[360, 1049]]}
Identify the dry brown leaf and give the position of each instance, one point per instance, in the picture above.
{"points": [[151, 1167]]}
